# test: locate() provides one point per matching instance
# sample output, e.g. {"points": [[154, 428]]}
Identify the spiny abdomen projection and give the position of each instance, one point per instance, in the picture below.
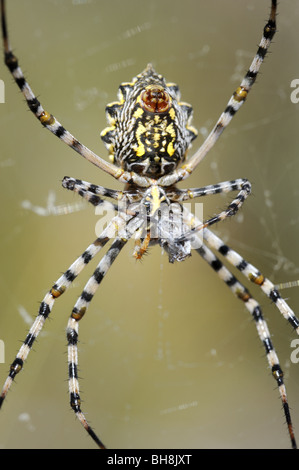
{"points": [[149, 129]]}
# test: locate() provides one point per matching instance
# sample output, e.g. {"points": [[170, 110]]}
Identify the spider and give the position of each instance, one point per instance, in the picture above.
{"points": [[148, 137]]}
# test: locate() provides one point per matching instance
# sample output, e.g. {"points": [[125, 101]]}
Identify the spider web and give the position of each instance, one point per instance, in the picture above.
{"points": [[169, 358]]}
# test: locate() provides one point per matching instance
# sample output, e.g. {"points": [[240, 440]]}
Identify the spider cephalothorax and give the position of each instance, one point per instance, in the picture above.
{"points": [[150, 130]]}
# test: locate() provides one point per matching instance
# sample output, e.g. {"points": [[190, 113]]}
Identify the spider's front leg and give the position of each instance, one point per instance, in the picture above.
{"points": [[234, 104], [47, 119]]}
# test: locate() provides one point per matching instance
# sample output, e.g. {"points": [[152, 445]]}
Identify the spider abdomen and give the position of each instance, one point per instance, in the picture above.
{"points": [[150, 130]]}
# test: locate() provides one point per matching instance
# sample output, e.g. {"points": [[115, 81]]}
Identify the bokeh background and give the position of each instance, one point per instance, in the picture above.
{"points": [[168, 357]]}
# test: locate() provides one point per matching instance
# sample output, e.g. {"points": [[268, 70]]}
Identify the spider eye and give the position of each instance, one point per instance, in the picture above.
{"points": [[155, 99]]}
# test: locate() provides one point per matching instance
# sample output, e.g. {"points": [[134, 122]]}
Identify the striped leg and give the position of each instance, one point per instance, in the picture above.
{"points": [[233, 105], [89, 196], [73, 324], [181, 195], [60, 286], [48, 120], [77, 185], [90, 192], [240, 94], [253, 274], [254, 309], [241, 185]]}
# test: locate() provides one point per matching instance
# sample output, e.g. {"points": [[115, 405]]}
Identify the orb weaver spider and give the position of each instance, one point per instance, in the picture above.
{"points": [[148, 136]]}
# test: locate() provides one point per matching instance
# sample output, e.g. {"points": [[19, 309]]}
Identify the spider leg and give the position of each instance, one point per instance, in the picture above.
{"points": [[90, 192], [89, 196], [133, 195], [181, 195], [241, 185], [60, 286], [49, 121], [78, 311], [77, 185], [253, 274], [240, 94], [263, 332], [233, 105], [72, 332]]}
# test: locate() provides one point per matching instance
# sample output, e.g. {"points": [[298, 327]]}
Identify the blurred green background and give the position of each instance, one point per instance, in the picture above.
{"points": [[168, 357]]}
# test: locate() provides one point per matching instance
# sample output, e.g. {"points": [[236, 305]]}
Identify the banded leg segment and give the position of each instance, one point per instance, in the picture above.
{"points": [[60, 286], [133, 195], [77, 185], [253, 274], [180, 195], [233, 105], [263, 332], [240, 94], [89, 196], [72, 337], [47, 119], [78, 312], [244, 188], [92, 193], [72, 332]]}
